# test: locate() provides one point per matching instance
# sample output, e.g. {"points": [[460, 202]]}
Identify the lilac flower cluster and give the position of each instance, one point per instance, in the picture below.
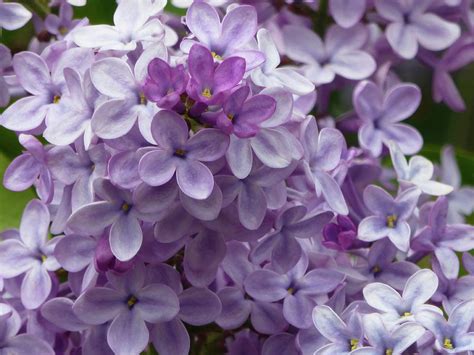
{"points": [[194, 191]]}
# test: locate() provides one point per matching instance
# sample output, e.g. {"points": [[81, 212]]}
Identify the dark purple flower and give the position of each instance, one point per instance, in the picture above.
{"points": [[210, 83]]}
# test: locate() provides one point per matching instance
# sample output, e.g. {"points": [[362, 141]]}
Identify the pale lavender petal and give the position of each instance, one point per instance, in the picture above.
{"points": [[207, 145], [203, 21], [252, 206], [435, 33], [157, 303], [235, 308], [99, 305], [171, 338], [75, 252], [347, 13], [267, 318], [199, 306], [128, 333], [401, 102], [16, 258], [59, 312], [267, 285], [169, 130], [195, 179], [156, 167], [382, 297], [93, 218], [125, 237], [34, 225], [32, 72], [35, 287], [420, 287], [297, 310]]}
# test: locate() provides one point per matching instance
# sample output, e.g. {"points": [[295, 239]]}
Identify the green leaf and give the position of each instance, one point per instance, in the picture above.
{"points": [[11, 203]]}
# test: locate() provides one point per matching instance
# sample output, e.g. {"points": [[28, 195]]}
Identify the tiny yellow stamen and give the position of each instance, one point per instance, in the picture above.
{"points": [[216, 56], [131, 301], [406, 314], [376, 269], [125, 207], [43, 258], [56, 99], [143, 100], [62, 30], [230, 116], [448, 344], [389, 352], [391, 220], [206, 93], [291, 290], [180, 153], [354, 344]]}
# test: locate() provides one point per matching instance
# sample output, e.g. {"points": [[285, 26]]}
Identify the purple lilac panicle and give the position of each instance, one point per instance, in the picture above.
{"points": [[197, 191]]}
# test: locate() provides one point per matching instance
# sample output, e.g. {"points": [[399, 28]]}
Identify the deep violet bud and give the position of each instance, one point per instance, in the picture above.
{"points": [[341, 235]]}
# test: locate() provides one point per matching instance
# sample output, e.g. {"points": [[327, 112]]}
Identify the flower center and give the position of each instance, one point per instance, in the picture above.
{"points": [[132, 300], [448, 344], [43, 258], [206, 93], [125, 207], [291, 290], [391, 221], [354, 344], [230, 116], [180, 153], [56, 99], [143, 100], [406, 314], [389, 352], [216, 56]]}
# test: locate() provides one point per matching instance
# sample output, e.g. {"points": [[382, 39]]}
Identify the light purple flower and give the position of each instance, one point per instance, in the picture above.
{"points": [[383, 340], [270, 76], [185, 156], [128, 303], [13, 343], [452, 336], [119, 209], [31, 253], [127, 104], [30, 168], [45, 84], [297, 289], [389, 217], [131, 27], [418, 290], [281, 246], [344, 338], [323, 152], [418, 172], [411, 24], [13, 16], [340, 54], [227, 38], [380, 114], [444, 239]]}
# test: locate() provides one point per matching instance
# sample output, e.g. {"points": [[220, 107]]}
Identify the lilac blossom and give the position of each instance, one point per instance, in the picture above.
{"points": [[242, 115], [128, 303], [29, 169], [323, 152], [380, 114], [394, 308], [60, 25], [270, 75], [389, 217], [383, 340], [165, 84], [418, 172], [13, 16], [13, 343], [296, 288], [227, 38], [131, 26], [411, 24], [452, 336], [444, 239], [340, 54], [210, 84], [46, 86], [177, 153], [31, 253], [344, 337], [347, 13]]}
